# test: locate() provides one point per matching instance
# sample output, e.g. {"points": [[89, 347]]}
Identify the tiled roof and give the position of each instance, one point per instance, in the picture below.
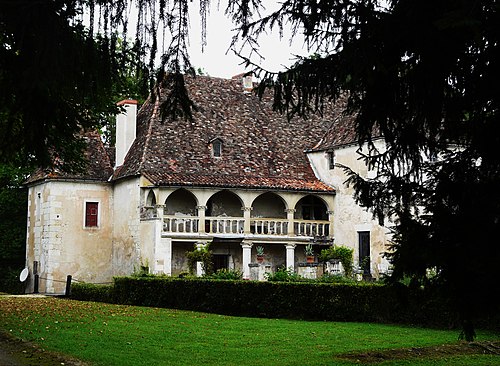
{"points": [[342, 130], [97, 168], [261, 149]]}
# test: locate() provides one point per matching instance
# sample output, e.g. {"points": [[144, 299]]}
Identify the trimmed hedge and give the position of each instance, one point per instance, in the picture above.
{"points": [[90, 292], [363, 302]]}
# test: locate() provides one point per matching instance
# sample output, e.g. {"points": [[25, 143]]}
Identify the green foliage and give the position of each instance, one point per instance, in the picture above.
{"points": [[343, 254], [259, 250], [329, 278], [354, 301], [283, 274], [13, 208], [91, 292], [201, 254], [59, 85], [308, 250], [9, 280], [225, 274]]}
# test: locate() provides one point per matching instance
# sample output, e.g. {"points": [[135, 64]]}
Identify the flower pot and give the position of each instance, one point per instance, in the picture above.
{"points": [[260, 258], [310, 259]]}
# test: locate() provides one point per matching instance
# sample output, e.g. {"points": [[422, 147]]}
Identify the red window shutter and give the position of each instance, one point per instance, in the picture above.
{"points": [[91, 210]]}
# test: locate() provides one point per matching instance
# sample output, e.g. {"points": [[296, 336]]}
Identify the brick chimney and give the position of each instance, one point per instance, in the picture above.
{"points": [[125, 129]]}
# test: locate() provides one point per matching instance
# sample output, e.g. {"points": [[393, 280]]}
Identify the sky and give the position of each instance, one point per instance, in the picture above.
{"points": [[218, 62]]}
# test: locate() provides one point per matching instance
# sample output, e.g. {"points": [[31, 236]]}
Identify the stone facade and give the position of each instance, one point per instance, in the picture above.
{"points": [[349, 218]]}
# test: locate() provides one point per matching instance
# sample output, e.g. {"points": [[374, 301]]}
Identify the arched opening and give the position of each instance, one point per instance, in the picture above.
{"points": [[151, 199], [311, 217], [224, 214], [181, 203], [180, 214], [311, 208], [269, 205], [224, 203], [268, 215]]}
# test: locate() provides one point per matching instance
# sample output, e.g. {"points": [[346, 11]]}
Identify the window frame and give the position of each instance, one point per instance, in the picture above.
{"points": [[330, 155], [85, 214], [216, 142]]}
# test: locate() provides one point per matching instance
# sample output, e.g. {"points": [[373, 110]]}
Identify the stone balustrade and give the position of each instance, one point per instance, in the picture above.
{"points": [[236, 225]]}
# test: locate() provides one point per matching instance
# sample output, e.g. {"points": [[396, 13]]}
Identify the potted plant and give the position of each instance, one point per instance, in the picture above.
{"points": [[260, 253], [309, 253]]}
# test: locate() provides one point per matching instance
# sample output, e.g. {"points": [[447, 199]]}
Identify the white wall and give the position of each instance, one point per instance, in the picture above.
{"points": [[128, 248], [350, 218]]}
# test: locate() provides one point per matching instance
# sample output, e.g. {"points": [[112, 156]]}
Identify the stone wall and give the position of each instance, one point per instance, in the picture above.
{"points": [[58, 240]]}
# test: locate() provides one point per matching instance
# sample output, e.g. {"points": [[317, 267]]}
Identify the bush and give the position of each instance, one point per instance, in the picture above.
{"points": [[358, 301], [333, 278], [343, 254], [9, 281], [315, 301], [225, 274], [90, 292], [284, 275], [203, 255]]}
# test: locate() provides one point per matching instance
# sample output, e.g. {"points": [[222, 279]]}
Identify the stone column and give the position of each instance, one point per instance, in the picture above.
{"points": [[330, 218], [163, 246], [290, 256], [290, 217], [247, 216], [247, 258], [201, 218]]}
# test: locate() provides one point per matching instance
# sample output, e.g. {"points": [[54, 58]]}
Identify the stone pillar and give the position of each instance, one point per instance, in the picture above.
{"points": [[247, 256], [163, 246], [330, 218], [201, 218], [247, 216], [163, 256], [290, 217], [290, 256]]}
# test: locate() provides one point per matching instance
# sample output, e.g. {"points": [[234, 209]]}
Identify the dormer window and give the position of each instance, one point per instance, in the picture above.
{"points": [[217, 148], [331, 159]]}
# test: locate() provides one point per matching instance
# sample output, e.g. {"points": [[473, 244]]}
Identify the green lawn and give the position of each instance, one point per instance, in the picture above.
{"points": [[126, 335]]}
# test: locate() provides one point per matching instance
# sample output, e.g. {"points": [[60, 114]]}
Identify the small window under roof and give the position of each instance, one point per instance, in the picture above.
{"points": [[331, 159], [217, 148]]}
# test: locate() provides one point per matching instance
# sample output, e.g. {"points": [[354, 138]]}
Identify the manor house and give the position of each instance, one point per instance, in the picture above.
{"points": [[237, 175]]}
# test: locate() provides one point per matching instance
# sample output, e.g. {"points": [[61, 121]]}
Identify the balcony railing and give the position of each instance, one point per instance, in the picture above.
{"points": [[236, 225], [311, 228], [224, 225], [263, 226], [180, 224]]}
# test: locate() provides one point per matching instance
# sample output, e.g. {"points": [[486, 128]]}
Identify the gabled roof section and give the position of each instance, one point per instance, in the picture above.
{"points": [[262, 149], [97, 168], [342, 130]]}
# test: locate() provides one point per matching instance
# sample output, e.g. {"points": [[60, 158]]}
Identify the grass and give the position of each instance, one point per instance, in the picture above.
{"points": [[124, 335]]}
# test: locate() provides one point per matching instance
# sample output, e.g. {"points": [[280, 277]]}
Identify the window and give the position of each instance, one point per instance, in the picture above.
{"points": [[91, 214], [331, 159], [364, 251], [217, 148]]}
